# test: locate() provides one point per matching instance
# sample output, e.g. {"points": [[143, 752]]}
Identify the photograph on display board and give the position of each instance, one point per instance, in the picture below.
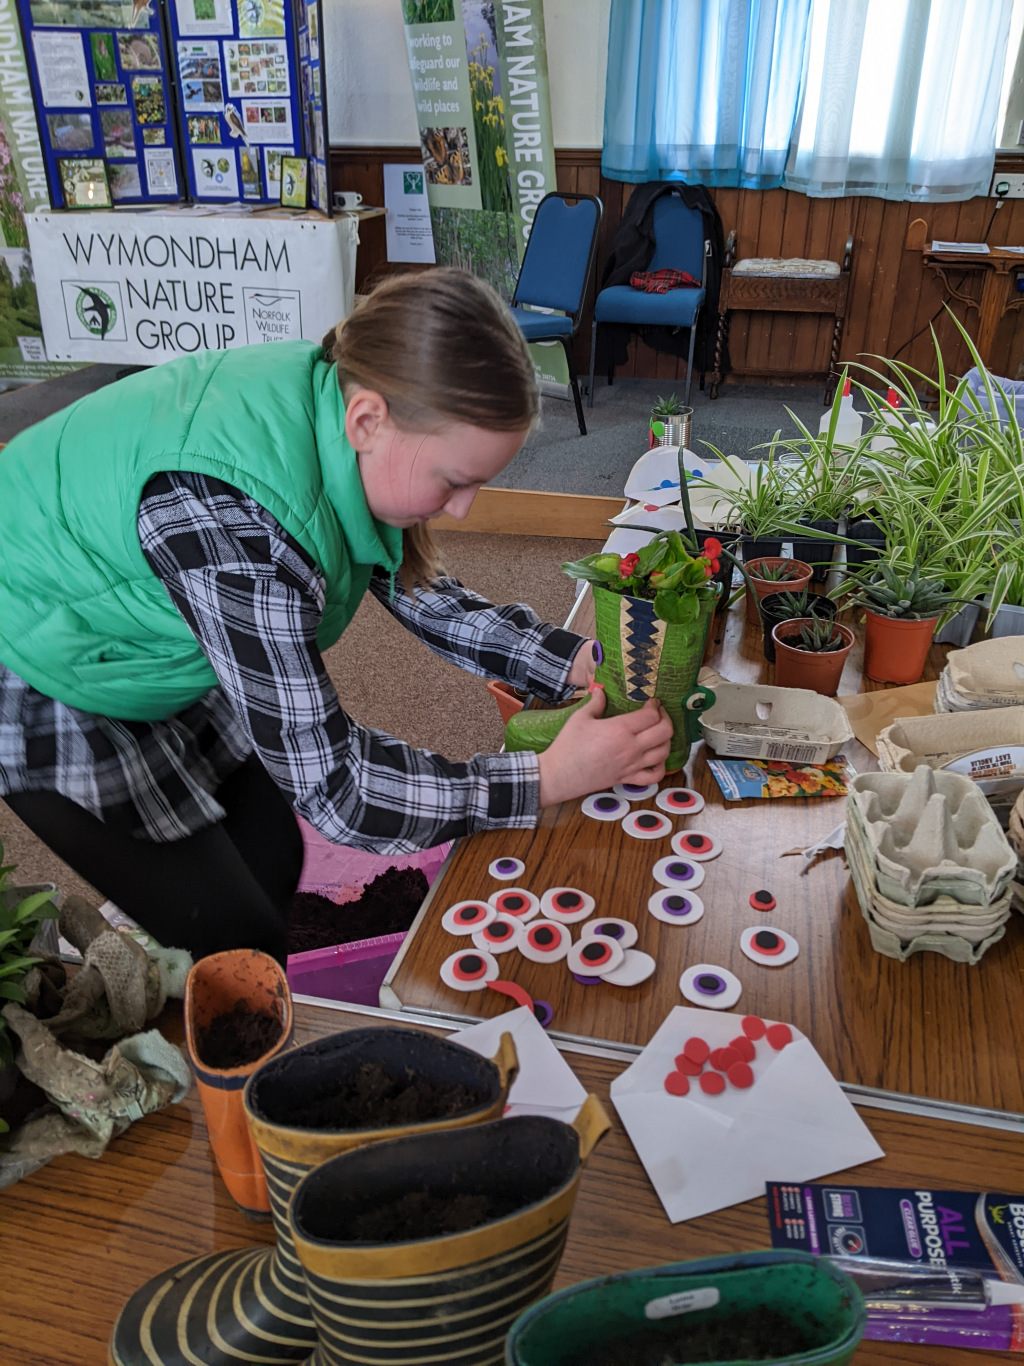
{"points": [[124, 180], [261, 19], [216, 173], [118, 133], [204, 128], [272, 169], [83, 182], [88, 13], [294, 182], [249, 170], [154, 137], [203, 18], [148, 97], [139, 51], [233, 119], [104, 61], [111, 94], [71, 132], [267, 121]]}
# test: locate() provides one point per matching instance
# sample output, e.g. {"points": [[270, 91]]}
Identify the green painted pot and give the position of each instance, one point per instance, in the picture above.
{"points": [[645, 657], [807, 1291]]}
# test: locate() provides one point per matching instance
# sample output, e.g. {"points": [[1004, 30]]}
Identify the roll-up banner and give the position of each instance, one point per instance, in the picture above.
{"points": [[480, 80]]}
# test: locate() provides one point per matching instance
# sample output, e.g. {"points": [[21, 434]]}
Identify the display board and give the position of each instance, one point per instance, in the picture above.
{"points": [[101, 86], [309, 16], [241, 95]]}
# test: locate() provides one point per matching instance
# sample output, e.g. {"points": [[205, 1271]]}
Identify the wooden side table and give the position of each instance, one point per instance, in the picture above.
{"points": [[1000, 267], [783, 294]]}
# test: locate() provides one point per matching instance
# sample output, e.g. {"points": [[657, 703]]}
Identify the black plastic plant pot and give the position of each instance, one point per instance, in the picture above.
{"points": [[771, 615], [817, 551], [429, 1247], [867, 530], [761, 550]]}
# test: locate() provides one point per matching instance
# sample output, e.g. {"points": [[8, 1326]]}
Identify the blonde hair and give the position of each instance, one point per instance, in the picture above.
{"points": [[440, 347]]}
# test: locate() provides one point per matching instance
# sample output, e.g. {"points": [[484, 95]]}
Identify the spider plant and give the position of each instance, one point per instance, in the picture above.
{"points": [[764, 505]]}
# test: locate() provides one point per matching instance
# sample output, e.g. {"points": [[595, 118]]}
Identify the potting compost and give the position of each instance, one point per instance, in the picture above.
{"points": [[388, 905], [418, 1214], [374, 1098], [239, 1037], [758, 1335]]}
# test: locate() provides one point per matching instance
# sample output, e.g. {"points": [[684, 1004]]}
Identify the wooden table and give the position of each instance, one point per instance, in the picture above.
{"points": [[927, 1028], [78, 1237], [998, 293]]}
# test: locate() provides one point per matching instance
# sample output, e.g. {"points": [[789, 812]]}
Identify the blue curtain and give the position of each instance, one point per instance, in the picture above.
{"points": [[704, 91]]}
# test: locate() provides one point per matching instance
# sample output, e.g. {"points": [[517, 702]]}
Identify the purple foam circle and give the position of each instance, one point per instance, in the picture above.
{"points": [[544, 1013], [585, 981], [597, 652]]}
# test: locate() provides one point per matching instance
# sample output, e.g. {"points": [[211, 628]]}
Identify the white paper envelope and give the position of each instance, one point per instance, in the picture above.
{"points": [[546, 1084], [703, 1152]]}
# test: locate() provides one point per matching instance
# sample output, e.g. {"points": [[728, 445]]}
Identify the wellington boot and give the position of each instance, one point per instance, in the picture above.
{"points": [[427, 1248], [248, 1307], [240, 979]]}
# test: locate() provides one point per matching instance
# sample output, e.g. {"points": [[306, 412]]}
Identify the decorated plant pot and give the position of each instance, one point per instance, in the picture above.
{"points": [[895, 649], [776, 1308], [819, 670], [644, 657]]}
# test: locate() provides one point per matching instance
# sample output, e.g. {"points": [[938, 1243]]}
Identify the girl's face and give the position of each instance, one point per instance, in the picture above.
{"points": [[411, 477]]}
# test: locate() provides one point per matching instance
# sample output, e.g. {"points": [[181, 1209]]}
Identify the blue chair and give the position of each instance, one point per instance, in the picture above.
{"points": [[679, 244], [555, 273]]}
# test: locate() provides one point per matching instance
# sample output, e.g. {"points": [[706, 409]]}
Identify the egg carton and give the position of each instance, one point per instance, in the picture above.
{"points": [[931, 834], [989, 674]]}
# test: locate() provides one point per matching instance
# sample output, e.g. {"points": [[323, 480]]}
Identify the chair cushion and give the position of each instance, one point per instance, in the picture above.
{"points": [[539, 326], [621, 304], [788, 266]]}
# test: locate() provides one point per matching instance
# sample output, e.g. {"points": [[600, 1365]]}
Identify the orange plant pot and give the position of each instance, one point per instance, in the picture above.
{"points": [[762, 587], [896, 651], [215, 986], [818, 670], [505, 696]]}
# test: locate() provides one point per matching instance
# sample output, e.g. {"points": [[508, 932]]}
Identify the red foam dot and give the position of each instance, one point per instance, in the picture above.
{"points": [[778, 1035], [713, 1083], [676, 1084], [687, 1065], [740, 1075], [753, 1026], [724, 1058], [744, 1048], [762, 901], [697, 1050]]}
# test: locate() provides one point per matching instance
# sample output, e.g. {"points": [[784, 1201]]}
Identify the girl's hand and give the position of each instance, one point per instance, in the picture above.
{"points": [[591, 754], [581, 674]]}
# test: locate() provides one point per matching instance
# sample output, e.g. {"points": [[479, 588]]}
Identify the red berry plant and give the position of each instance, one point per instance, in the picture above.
{"points": [[663, 571]]}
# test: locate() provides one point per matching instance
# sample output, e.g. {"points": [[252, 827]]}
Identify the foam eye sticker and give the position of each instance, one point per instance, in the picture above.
{"points": [[499, 936], [706, 985], [595, 957], [773, 948], [516, 902], [469, 970], [696, 844], [762, 900], [677, 873], [647, 825], [635, 792], [465, 917], [622, 931], [505, 869], [636, 968], [676, 908], [605, 806], [566, 905], [679, 801], [545, 941]]}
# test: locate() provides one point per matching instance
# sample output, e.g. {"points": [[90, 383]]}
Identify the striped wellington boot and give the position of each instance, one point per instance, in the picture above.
{"points": [[248, 1306], [385, 1292]]}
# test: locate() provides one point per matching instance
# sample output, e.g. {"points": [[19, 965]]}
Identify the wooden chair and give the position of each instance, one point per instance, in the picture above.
{"points": [[778, 286]]}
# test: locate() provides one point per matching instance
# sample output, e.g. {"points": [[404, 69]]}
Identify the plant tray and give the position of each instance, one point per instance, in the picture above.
{"points": [[345, 972]]}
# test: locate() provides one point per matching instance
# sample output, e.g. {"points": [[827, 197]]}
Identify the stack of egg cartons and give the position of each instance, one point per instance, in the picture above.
{"points": [[930, 863], [979, 677]]}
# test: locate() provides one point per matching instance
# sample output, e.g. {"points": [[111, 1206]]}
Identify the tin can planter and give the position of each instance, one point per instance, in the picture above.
{"points": [[772, 614], [801, 577], [818, 670], [647, 1316], [388, 1283], [895, 649], [644, 657]]}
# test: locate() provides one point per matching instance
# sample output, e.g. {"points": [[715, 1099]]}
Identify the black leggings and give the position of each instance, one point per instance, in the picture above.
{"points": [[229, 886]]}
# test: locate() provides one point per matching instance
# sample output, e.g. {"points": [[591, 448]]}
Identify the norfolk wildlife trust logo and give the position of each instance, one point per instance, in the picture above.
{"points": [[94, 310], [412, 182]]}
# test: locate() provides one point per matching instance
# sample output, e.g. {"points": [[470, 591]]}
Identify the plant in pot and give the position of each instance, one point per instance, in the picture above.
{"points": [[902, 608], [22, 912], [810, 652], [783, 606], [762, 507], [773, 574], [669, 423]]}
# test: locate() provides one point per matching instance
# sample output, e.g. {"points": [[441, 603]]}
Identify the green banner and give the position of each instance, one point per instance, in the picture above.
{"points": [[480, 80], [22, 190]]}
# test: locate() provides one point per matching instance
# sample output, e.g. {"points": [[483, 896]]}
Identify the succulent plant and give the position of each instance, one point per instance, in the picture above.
{"points": [[898, 591], [773, 573], [668, 407], [818, 637]]}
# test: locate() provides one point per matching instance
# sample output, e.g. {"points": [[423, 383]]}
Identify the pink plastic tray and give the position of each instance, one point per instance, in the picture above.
{"points": [[345, 972]]}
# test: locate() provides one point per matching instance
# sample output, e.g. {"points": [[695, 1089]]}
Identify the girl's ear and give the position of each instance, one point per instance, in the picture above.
{"points": [[366, 414]]}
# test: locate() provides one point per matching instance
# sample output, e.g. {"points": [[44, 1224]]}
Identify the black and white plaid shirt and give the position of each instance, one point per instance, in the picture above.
{"points": [[254, 600]]}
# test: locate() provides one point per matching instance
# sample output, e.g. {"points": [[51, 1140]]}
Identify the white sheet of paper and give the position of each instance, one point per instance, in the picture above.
{"points": [[704, 1153], [216, 171], [161, 177], [546, 1084], [267, 120], [63, 78], [407, 225], [191, 27]]}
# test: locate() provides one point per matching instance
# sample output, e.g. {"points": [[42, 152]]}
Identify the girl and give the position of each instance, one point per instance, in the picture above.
{"points": [[178, 549]]}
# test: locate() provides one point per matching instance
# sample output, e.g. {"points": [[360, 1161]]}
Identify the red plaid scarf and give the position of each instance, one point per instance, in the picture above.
{"points": [[661, 281]]}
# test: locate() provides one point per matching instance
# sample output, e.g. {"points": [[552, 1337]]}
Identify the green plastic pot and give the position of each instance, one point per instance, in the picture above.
{"points": [[807, 1290]]}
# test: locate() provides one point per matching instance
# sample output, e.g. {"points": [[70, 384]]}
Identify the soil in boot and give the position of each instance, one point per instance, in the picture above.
{"points": [[757, 1335], [240, 1037]]}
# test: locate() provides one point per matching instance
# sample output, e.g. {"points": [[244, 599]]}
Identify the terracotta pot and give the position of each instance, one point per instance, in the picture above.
{"points": [[762, 587], [505, 695], [818, 670], [895, 650], [772, 614]]}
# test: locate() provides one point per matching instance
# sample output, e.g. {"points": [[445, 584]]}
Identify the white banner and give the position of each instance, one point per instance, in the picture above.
{"points": [[144, 288]]}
